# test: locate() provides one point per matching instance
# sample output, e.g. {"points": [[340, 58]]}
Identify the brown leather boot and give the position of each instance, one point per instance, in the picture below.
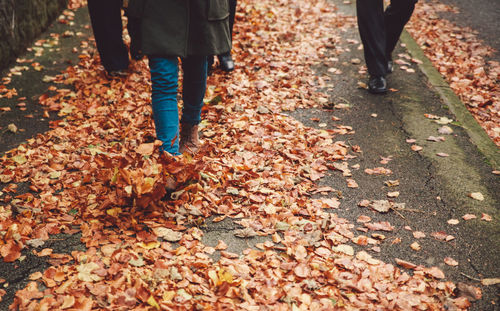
{"points": [[170, 184], [189, 141]]}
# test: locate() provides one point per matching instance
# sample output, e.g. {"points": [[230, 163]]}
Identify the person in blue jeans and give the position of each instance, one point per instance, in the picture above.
{"points": [[190, 30], [164, 76]]}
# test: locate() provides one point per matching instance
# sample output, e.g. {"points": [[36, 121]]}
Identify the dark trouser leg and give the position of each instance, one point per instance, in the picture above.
{"points": [[105, 16], [372, 31], [232, 13], [134, 30], [397, 14], [193, 88]]}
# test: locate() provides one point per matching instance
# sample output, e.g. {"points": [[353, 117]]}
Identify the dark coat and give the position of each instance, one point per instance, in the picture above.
{"points": [[183, 27]]}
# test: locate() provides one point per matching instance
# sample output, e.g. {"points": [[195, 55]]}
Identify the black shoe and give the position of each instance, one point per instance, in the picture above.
{"points": [[226, 62], [377, 85], [390, 66]]}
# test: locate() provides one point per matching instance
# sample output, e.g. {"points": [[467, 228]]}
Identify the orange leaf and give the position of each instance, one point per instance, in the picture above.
{"points": [[10, 251]]}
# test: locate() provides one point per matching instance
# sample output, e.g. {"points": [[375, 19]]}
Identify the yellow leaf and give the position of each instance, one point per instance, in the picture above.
{"points": [[225, 276], [128, 189], [20, 159], [12, 127], [168, 295], [149, 245], [114, 212], [55, 174], [152, 302], [115, 176], [66, 109]]}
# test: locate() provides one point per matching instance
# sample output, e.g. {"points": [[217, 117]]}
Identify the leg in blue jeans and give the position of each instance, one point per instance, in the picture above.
{"points": [[164, 77]]}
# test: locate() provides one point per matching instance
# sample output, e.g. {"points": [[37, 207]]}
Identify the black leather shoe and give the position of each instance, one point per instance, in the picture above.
{"points": [[390, 66], [226, 62], [377, 85]]}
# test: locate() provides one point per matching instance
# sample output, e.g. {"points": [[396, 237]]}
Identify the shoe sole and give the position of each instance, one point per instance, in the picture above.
{"points": [[378, 91]]}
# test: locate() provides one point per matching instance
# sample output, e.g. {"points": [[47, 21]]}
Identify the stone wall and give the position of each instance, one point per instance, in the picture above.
{"points": [[21, 21]]}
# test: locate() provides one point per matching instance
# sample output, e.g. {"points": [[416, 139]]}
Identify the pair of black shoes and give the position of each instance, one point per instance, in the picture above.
{"points": [[378, 84]]}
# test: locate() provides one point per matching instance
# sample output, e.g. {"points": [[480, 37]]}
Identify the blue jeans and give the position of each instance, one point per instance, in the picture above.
{"points": [[165, 76]]}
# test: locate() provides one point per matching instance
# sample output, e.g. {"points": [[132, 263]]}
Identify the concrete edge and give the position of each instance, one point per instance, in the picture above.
{"points": [[476, 133]]}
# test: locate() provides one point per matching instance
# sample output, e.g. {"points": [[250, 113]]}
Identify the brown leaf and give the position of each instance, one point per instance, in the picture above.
{"points": [[477, 196], [450, 261], [378, 171], [470, 292], [434, 272], [486, 217], [302, 270], [245, 233], [405, 264], [10, 251], [380, 226], [381, 206], [416, 148], [418, 234], [146, 149], [363, 219], [221, 245], [415, 246], [469, 216], [351, 183]]}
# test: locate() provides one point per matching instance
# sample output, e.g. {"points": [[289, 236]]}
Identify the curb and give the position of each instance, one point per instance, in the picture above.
{"points": [[476, 133]]}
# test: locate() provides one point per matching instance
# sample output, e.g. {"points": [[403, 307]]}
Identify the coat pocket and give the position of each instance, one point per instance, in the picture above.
{"points": [[218, 10]]}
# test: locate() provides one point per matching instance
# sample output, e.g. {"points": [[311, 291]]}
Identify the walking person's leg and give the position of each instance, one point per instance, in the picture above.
{"points": [[371, 25], [106, 20], [134, 30], [164, 78], [372, 32], [226, 60], [193, 92], [396, 15]]}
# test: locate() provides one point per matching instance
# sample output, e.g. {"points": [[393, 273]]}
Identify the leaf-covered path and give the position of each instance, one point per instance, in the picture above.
{"points": [[308, 194]]}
